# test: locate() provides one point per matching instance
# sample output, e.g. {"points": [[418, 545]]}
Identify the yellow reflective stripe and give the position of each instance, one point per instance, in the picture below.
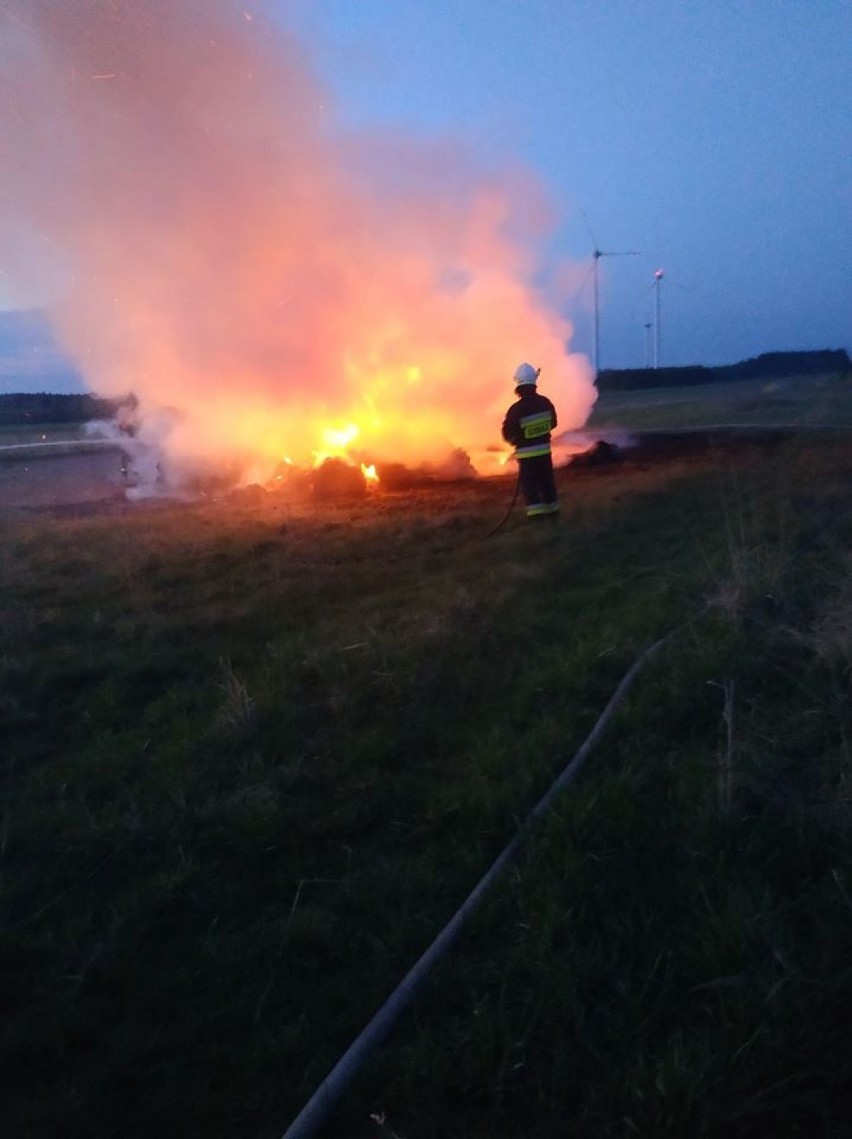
{"points": [[531, 452], [540, 508], [535, 425]]}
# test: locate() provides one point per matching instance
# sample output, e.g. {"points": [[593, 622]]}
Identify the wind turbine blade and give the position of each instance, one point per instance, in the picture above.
{"points": [[595, 249]]}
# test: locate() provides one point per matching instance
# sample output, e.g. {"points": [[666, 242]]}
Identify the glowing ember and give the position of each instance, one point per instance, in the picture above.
{"points": [[369, 472], [265, 281]]}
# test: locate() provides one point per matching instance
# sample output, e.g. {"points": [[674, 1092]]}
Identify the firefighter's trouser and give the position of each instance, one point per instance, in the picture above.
{"points": [[538, 485]]}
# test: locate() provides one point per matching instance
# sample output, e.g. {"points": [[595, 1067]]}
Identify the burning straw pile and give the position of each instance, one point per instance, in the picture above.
{"points": [[270, 283]]}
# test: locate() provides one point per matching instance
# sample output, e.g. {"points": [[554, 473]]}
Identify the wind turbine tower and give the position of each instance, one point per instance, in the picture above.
{"points": [[596, 256], [658, 280]]}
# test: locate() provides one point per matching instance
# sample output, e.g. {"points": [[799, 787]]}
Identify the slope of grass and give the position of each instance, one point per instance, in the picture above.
{"points": [[256, 753], [791, 401]]}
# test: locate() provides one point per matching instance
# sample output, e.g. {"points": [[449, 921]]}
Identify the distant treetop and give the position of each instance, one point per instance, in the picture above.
{"points": [[770, 365]]}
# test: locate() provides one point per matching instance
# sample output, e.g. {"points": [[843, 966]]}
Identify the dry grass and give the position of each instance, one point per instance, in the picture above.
{"points": [[257, 750]]}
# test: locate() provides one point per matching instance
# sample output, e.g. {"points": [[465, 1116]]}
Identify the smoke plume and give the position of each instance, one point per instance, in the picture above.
{"points": [[217, 242]]}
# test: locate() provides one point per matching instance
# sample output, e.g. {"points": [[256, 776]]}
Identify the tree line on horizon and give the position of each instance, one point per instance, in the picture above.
{"points": [[21, 408], [768, 366]]}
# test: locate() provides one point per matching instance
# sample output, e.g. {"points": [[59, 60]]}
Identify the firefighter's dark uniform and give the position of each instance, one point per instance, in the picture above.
{"points": [[527, 427]]}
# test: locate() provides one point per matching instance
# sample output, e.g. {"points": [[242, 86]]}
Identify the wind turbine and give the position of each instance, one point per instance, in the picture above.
{"points": [[658, 280], [596, 256]]}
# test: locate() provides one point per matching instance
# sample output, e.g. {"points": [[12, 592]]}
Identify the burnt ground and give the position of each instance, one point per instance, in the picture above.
{"points": [[93, 482], [647, 448]]}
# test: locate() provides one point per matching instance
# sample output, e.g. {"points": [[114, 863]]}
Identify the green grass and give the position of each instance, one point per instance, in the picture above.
{"points": [[256, 753], [40, 433], [792, 401]]}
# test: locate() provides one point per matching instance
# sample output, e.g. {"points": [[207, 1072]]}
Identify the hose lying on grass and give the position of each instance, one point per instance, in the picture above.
{"points": [[496, 529], [321, 1103]]}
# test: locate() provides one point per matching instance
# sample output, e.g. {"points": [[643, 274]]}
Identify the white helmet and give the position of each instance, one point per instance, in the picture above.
{"points": [[526, 374]]}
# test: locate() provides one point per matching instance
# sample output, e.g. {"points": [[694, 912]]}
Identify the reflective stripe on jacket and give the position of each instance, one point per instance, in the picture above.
{"points": [[528, 424]]}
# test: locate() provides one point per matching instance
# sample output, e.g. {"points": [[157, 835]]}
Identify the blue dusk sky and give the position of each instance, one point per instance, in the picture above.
{"points": [[715, 137]]}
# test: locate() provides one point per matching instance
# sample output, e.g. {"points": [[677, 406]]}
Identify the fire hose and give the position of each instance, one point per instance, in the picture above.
{"points": [[508, 513], [327, 1095]]}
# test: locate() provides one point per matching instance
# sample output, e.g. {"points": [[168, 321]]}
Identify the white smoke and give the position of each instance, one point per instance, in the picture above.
{"points": [[221, 245]]}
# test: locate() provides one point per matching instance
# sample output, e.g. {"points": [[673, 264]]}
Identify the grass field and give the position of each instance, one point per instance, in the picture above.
{"points": [[256, 752], [41, 433], [793, 400]]}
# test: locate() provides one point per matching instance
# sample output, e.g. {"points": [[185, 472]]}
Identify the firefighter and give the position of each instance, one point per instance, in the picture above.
{"points": [[527, 426]]}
